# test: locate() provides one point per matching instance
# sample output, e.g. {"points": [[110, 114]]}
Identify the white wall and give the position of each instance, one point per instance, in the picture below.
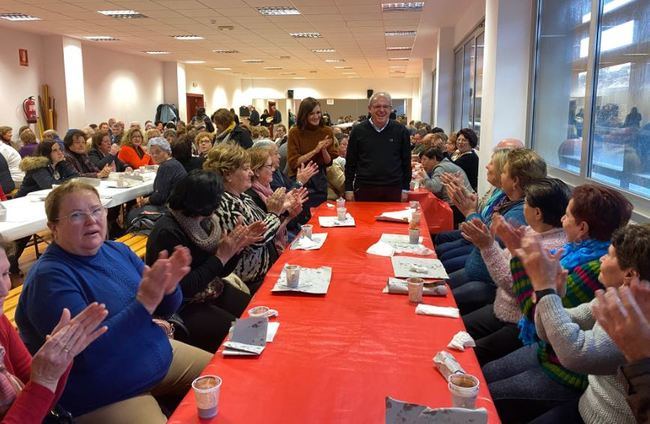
{"points": [[468, 21], [218, 89], [120, 85], [18, 82]]}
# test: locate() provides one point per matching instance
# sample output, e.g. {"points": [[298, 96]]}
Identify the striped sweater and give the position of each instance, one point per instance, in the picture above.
{"points": [[581, 286]]}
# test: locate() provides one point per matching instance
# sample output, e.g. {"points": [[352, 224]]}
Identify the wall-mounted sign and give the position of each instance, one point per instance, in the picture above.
{"points": [[330, 101], [22, 57]]}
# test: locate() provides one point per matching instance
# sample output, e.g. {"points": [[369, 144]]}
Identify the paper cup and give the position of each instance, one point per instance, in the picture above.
{"points": [[341, 214], [414, 236], [307, 230], [206, 390], [415, 286], [293, 275], [259, 311], [414, 204], [464, 390]]}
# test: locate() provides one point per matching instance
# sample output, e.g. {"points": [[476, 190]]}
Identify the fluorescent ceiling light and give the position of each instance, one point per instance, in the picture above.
{"points": [[225, 51], [272, 68], [157, 52], [15, 16], [323, 50], [222, 69], [122, 14], [343, 67], [285, 57], [305, 34], [349, 73], [193, 62], [400, 33], [187, 37], [288, 73], [403, 48], [101, 38], [334, 60], [278, 10], [252, 61], [398, 59], [299, 77], [397, 7]]}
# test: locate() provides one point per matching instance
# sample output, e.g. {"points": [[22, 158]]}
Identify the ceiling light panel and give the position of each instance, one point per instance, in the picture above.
{"points": [[194, 62], [16, 17], [400, 33], [323, 50], [398, 59], [334, 60], [187, 37], [222, 69], [225, 51], [122, 14], [272, 68], [278, 10], [404, 6], [305, 34], [101, 38], [156, 52], [253, 61], [403, 48]]}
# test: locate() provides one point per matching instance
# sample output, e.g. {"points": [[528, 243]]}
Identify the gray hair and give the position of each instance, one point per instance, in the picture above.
{"points": [[375, 96], [263, 144], [161, 143]]}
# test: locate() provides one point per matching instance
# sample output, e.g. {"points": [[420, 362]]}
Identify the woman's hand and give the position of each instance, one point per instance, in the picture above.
{"points": [[115, 149], [232, 242], [275, 202], [542, 267], [324, 144], [467, 203], [510, 235], [162, 277], [420, 175], [305, 172], [105, 172], [477, 232], [68, 339]]}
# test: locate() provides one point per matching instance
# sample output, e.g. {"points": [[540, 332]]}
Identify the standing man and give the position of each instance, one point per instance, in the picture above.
{"points": [[378, 160], [254, 116]]}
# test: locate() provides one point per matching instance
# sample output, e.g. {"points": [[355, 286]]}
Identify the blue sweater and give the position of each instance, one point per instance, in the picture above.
{"points": [[128, 360], [475, 268]]}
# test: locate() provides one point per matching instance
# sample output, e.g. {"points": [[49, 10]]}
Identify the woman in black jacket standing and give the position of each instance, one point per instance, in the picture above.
{"points": [[467, 158]]}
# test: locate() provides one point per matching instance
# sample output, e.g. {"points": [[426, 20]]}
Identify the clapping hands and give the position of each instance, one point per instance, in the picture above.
{"points": [[477, 232], [239, 238], [163, 276], [305, 172]]}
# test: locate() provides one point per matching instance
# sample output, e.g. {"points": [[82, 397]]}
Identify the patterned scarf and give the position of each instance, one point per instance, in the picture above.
{"points": [[576, 253]]}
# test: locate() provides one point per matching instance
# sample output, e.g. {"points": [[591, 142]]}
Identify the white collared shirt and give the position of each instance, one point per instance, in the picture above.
{"points": [[377, 128]]}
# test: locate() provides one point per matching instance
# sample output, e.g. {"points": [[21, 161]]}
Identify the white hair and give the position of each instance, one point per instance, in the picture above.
{"points": [[375, 96]]}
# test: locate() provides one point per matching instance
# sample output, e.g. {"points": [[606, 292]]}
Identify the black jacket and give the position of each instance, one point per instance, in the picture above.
{"points": [[100, 160], [40, 174]]}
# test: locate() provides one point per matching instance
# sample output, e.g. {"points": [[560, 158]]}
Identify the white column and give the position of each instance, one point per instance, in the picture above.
{"points": [[426, 89], [55, 79], [174, 87], [74, 82], [508, 30], [444, 84]]}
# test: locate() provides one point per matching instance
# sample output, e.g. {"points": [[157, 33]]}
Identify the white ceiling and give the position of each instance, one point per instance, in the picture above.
{"points": [[354, 28]]}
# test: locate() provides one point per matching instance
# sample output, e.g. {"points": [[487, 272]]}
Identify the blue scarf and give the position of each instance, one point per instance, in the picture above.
{"points": [[575, 253]]}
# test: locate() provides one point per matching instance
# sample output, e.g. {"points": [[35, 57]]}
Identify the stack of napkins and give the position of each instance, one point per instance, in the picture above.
{"points": [[303, 243], [396, 285], [437, 311], [333, 221], [249, 337]]}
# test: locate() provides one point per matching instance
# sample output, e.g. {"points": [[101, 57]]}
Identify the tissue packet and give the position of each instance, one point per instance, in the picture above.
{"points": [[461, 340], [447, 364]]}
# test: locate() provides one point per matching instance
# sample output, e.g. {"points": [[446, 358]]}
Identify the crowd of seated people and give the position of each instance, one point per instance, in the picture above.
{"points": [[535, 269]]}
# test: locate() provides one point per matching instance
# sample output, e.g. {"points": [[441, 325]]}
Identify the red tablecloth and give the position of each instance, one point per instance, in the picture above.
{"points": [[336, 357], [438, 214]]}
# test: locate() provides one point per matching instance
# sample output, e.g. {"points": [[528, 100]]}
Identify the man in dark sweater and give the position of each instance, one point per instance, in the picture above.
{"points": [[378, 160]]}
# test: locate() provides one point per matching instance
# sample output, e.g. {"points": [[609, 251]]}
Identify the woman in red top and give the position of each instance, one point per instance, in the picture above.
{"points": [[131, 152], [30, 387]]}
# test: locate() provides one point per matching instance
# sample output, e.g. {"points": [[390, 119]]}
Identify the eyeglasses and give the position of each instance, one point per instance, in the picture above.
{"points": [[79, 217], [268, 166]]}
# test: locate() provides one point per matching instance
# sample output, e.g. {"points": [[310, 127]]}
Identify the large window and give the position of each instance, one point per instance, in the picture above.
{"points": [[468, 80], [591, 107]]}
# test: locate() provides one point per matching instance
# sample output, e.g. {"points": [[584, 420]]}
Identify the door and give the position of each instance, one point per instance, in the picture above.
{"points": [[194, 101]]}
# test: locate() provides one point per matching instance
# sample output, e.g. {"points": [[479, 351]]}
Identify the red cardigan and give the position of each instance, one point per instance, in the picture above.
{"points": [[129, 156], [35, 401]]}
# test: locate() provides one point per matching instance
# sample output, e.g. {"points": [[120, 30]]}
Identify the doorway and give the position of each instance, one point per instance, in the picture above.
{"points": [[194, 101]]}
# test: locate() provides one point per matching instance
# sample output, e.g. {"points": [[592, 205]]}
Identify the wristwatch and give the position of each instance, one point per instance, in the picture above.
{"points": [[538, 294]]}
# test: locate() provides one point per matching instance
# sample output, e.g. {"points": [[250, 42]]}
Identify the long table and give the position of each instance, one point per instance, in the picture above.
{"points": [[336, 357], [26, 215]]}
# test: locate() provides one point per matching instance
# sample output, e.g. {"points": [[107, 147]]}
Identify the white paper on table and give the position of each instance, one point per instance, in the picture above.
{"points": [[312, 281], [271, 331], [461, 340], [406, 266], [333, 221], [303, 243], [403, 216], [437, 311], [401, 244], [381, 249]]}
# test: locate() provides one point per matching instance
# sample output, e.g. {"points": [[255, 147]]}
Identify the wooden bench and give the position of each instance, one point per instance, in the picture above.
{"points": [[137, 243], [11, 303]]}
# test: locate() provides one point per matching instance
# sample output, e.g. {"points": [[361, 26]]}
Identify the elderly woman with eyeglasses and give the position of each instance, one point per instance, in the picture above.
{"points": [[233, 163], [118, 377]]}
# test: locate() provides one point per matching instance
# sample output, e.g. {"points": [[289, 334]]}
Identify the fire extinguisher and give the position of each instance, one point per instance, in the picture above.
{"points": [[29, 107]]}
